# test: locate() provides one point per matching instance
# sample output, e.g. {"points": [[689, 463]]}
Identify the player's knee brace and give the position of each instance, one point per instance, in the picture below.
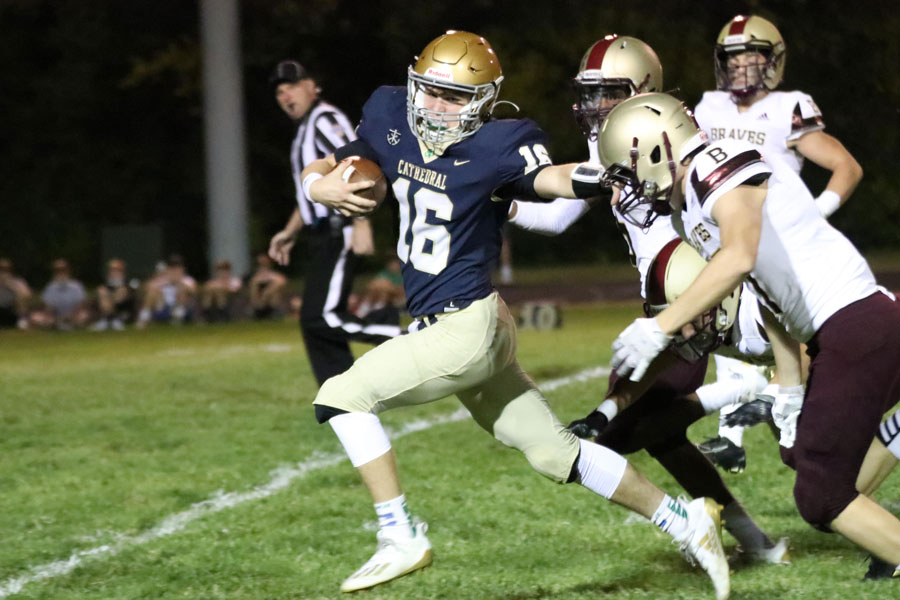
{"points": [[819, 501], [600, 469], [324, 413]]}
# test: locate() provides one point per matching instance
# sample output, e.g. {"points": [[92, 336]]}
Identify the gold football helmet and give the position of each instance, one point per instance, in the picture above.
{"points": [[749, 34], [612, 69], [639, 145], [461, 62], [671, 273]]}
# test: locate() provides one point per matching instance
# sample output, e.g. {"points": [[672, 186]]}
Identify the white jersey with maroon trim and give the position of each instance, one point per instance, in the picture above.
{"points": [[768, 124], [806, 270], [643, 244]]}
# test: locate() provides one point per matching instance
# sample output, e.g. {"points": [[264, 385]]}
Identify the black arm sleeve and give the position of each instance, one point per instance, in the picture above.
{"points": [[522, 188], [357, 147]]}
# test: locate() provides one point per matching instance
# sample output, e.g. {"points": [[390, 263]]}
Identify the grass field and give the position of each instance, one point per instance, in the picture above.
{"points": [[186, 463]]}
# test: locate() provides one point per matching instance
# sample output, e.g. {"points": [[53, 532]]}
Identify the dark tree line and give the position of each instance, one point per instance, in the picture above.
{"points": [[101, 104]]}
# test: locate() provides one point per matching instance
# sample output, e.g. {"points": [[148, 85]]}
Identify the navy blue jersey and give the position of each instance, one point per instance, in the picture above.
{"points": [[451, 206]]}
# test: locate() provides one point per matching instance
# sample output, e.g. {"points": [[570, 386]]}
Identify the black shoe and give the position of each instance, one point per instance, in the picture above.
{"points": [[725, 454], [878, 569], [749, 414]]}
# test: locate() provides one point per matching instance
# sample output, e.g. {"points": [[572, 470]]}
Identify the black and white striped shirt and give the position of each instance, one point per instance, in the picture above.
{"points": [[323, 129]]}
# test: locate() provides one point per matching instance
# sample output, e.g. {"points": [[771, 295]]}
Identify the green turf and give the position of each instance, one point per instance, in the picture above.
{"points": [[106, 436]]}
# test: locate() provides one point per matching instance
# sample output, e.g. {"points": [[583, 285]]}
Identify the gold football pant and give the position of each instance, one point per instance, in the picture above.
{"points": [[469, 353]]}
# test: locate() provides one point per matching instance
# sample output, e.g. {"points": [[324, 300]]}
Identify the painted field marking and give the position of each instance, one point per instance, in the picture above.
{"points": [[281, 478]]}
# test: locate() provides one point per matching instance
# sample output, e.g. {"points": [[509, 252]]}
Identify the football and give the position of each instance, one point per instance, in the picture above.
{"points": [[363, 169]]}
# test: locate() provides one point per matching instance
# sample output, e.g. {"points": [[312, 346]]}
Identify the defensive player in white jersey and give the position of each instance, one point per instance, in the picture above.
{"points": [[749, 63], [755, 220], [612, 69], [743, 338]]}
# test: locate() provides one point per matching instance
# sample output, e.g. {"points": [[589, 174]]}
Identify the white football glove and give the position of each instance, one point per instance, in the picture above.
{"points": [[637, 346], [786, 411]]}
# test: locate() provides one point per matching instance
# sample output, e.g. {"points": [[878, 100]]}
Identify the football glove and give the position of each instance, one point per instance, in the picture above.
{"points": [[590, 426], [637, 346], [750, 414]]}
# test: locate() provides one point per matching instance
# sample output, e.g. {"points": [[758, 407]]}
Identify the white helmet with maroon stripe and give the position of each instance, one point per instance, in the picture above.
{"points": [[755, 36], [671, 272], [614, 68]]}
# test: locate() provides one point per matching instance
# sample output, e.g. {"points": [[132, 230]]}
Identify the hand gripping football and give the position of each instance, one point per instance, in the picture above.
{"points": [[363, 169]]}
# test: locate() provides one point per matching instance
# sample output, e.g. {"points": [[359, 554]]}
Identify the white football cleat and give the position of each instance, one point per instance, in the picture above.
{"points": [[776, 555], [702, 543], [395, 557]]}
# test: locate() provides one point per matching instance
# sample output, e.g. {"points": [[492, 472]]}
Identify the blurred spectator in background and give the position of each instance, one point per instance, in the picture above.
{"points": [[14, 297], [383, 297], [116, 298], [219, 294], [266, 289], [169, 295], [64, 300]]}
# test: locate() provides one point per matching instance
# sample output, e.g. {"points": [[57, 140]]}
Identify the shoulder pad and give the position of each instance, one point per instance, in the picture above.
{"points": [[719, 163]]}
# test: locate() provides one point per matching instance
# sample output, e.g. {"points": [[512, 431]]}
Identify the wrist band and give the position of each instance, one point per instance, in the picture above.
{"points": [[587, 180], [609, 408], [828, 202], [308, 181]]}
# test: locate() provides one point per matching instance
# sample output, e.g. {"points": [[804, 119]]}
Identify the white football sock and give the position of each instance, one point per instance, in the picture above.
{"points": [[714, 396], [395, 515], [600, 469], [671, 517]]}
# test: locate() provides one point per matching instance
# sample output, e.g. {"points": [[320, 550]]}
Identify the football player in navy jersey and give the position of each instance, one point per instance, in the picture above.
{"points": [[453, 171]]}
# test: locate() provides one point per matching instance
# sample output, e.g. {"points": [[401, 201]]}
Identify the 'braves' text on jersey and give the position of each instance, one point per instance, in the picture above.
{"points": [[769, 124], [451, 206]]}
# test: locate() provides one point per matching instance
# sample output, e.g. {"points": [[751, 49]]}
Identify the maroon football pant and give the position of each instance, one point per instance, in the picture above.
{"points": [[854, 378], [658, 422]]}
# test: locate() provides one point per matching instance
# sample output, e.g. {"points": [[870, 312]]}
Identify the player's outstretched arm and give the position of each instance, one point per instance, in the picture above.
{"points": [[573, 180], [829, 153], [323, 183], [547, 218]]}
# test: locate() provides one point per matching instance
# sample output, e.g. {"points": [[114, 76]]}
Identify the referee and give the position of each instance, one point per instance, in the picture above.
{"points": [[334, 240]]}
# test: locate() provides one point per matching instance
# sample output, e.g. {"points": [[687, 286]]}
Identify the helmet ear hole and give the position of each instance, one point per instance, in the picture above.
{"points": [[655, 155]]}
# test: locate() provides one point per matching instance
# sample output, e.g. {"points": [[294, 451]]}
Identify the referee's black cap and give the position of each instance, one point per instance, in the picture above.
{"points": [[289, 71]]}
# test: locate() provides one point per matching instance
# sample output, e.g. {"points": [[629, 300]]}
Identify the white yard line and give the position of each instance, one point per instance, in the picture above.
{"points": [[282, 477]]}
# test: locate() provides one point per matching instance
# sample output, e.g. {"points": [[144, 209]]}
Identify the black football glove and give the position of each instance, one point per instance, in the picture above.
{"points": [[590, 426], [750, 414]]}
